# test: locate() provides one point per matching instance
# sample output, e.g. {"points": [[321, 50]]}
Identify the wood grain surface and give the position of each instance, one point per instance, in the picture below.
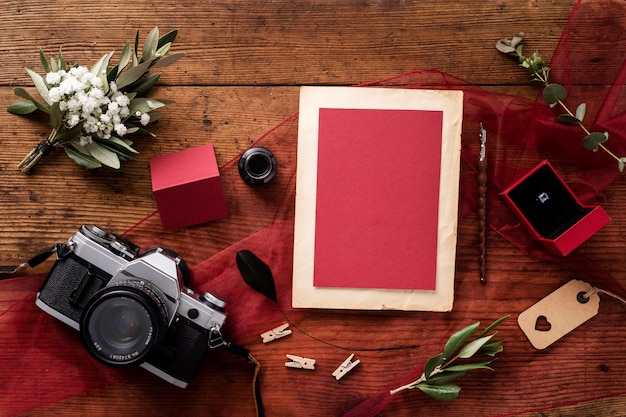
{"points": [[240, 77]]}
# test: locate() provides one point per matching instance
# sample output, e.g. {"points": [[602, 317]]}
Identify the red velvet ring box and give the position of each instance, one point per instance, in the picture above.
{"points": [[187, 187], [550, 211]]}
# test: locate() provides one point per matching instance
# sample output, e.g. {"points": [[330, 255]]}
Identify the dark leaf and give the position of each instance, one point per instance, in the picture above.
{"points": [[458, 339], [432, 364], [169, 37], [566, 119], [82, 159], [445, 377], [22, 107], [592, 140], [493, 326], [445, 392], [20, 92], [142, 86], [44, 61], [256, 273], [553, 93]]}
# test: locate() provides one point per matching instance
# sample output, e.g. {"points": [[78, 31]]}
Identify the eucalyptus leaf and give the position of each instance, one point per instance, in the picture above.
{"points": [[445, 392], [40, 85], [105, 156], [621, 163], [592, 140], [504, 46], [580, 111], [553, 93], [432, 364], [567, 119], [20, 92], [458, 339], [22, 107], [82, 159], [517, 39]]}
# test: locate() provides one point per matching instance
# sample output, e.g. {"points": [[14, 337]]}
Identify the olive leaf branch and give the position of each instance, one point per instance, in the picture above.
{"points": [[441, 370], [555, 94]]}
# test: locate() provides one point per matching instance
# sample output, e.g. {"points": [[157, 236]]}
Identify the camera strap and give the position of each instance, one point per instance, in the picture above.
{"points": [[60, 249], [217, 340]]}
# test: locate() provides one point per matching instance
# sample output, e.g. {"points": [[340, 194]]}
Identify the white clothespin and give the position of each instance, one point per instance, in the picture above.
{"points": [[300, 362], [345, 367], [276, 333]]}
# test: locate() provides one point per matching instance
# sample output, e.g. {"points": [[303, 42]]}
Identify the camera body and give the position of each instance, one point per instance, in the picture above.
{"points": [[131, 309]]}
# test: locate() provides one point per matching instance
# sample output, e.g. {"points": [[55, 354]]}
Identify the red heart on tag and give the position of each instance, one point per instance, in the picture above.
{"points": [[542, 324]]}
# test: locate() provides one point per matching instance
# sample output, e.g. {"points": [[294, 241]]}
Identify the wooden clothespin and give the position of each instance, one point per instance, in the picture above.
{"points": [[345, 367], [276, 333], [300, 362]]}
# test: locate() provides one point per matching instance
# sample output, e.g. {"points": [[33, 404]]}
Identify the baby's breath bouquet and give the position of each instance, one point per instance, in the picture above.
{"points": [[93, 110]]}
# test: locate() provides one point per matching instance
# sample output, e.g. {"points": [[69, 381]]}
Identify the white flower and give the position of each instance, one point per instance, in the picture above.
{"points": [[55, 94], [120, 129], [53, 78], [113, 86], [84, 140], [145, 119], [73, 120], [122, 100]]}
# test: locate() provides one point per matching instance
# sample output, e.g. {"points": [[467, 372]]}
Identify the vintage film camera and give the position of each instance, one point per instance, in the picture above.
{"points": [[131, 309]]}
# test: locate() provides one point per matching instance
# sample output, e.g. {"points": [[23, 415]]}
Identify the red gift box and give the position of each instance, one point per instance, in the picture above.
{"points": [[187, 187], [551, 212]]}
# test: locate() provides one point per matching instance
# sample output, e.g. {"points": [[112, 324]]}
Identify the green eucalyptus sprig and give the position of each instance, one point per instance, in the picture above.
{"points": [[441, 370], [92, 110], [555, 94]]}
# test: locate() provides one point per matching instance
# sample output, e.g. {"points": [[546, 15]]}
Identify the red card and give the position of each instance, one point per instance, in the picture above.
{"points": [[377, 198]]}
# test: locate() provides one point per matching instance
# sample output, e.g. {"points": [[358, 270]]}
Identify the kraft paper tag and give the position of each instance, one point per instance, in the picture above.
{"points": [[559, 313]]}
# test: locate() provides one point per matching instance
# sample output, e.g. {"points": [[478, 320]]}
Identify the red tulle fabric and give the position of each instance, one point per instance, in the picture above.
{"points": [[521, 133]]}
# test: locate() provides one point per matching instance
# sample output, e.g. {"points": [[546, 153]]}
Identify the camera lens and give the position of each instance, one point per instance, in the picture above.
{"points": [[257, 166], [121, 324]]}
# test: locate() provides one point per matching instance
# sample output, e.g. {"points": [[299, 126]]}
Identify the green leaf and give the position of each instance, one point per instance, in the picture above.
{"points": [[61, 60], [142, 86], [495, 323], [458, 339], [432, 364], [492, 348], [592, 140], [56, 118], [124, 58], [150, 45], [20, 92], [553, 93], [144, 105], [580, 111], [472, 347], [445, 392], [567, 119], [445, 377], [44, 61], [99, 69], [82, 159], [469, 367], [621, 163], [162, 51], [504, 46], [517, 39], [169, 37], [40, 84], [125, 144], [105, 156], [22, 107], [132, 74], [68, 135], [165, 61]]}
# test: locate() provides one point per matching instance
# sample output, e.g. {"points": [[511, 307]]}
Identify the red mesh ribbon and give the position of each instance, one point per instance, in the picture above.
{"points": [[521, 133]]}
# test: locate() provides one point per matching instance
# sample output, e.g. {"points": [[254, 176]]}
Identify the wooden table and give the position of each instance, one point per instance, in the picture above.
{"points": [[240, 78]]}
